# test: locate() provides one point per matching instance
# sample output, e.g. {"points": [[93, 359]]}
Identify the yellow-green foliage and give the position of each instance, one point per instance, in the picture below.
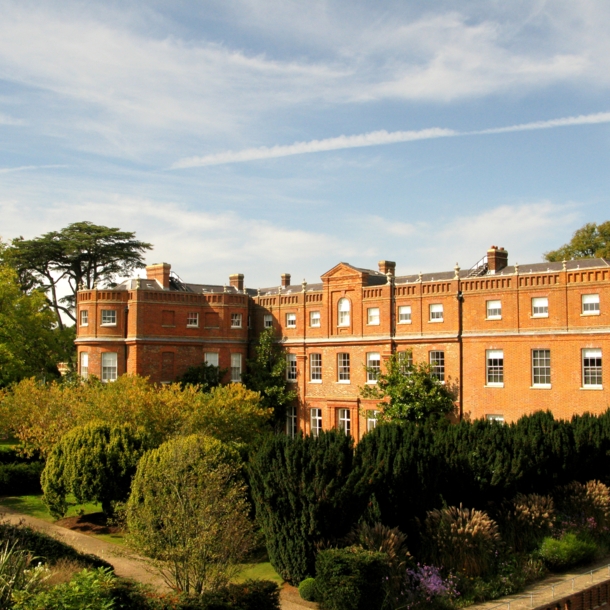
{"points": [[188, 511], [462, 539], [96, 463], [39, 415]]}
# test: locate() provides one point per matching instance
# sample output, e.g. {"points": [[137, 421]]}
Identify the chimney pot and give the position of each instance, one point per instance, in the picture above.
{"points": [[285, 280], [237, 281]]}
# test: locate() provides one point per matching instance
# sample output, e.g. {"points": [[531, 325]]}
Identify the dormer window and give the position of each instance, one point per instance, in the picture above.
{"points": [[344, 310]]}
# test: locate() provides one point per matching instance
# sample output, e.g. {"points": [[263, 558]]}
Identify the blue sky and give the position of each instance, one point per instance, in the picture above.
{"points": [[263, 137]]}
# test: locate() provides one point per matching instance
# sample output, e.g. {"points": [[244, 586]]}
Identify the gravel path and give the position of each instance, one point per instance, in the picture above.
{"points": [[126, 563]]}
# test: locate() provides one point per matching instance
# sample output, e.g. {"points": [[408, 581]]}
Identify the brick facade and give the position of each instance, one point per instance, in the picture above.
{"points": [[473, 320]]}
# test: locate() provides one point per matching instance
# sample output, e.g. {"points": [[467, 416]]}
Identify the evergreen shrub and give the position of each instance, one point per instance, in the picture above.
{"points": [[351, 579], [307, 590], [304, 494]]}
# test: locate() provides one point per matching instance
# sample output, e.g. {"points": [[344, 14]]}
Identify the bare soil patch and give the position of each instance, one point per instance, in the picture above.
{"points": [[93, 523]]}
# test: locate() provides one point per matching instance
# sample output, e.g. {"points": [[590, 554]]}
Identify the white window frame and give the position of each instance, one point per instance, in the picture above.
{"points": [[236, 368], [494, 368], [590, 305], [315, 368], [314, 319], [371, 419], [84, 317], [540, 307], [109, 366], [493, 310], [192, 319], [373, 361], [291, 367], [405, 360], [291, 320], [315, 421], [344, 421], [211, 358], [291, 421], [404, 314], [592, 370], [84, 365], [344, 310], [436, 312], [343, 368], [436, 358], [236, 320], [106, 314], [498, 418], [541, 368], [372, 316], [267, 320]]}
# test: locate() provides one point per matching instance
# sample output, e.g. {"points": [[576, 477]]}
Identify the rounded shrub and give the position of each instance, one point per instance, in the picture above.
{"points": [[569, 550], [307, 590], [96, 463]]}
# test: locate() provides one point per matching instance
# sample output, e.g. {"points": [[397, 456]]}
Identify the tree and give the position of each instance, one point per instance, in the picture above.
{"points": [[590, 241], [81, 254], [30, 346], [304, 495], [205, 376], [40, 414], [266, 373], [409, 392], [96, 463], [188, 511]]}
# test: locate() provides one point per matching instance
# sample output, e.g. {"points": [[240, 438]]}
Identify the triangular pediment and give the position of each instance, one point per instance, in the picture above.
{"points": [[343, 270]]}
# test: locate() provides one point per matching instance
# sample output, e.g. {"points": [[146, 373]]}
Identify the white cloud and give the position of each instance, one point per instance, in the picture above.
{"points": [[376, 138], [27, 168], [8, 120]]}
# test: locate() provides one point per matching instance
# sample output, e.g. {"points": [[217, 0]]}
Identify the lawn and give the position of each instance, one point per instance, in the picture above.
{"points": [[262, 570], [34, 507]]}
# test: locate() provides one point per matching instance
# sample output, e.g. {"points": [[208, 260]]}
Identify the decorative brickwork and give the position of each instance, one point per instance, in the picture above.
{"points": [[513, 339]]}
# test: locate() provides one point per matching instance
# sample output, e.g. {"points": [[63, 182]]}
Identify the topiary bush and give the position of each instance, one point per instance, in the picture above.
{"points": [[96, 463], [462, 539], [351, 579], [307, 590], [569, 550]]}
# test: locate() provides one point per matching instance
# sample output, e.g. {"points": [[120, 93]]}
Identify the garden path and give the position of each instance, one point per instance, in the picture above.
{"points": [[126, 564], [551, 588]]}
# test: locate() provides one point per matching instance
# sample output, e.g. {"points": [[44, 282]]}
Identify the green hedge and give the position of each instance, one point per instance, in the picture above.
{"points": [[18, 479], [351, 579], [45, 547]]}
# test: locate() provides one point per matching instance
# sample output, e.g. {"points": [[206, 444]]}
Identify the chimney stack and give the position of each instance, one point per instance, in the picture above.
{"points": [[387, 267], [159, 272], [285, 280], [237, 281], [497, 259]]}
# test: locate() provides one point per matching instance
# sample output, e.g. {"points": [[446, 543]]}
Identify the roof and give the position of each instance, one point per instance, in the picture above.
{"points": [[376, 278]]}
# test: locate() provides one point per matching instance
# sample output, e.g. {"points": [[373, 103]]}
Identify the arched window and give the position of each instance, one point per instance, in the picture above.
{"points": [[344, 308]]}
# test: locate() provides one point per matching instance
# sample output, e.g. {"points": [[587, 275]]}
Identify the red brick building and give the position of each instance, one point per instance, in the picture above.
{"points": [[511, 339]]}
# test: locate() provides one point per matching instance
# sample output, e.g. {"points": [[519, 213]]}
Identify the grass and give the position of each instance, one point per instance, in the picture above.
{"points": [[33, 506], [262, 570]]}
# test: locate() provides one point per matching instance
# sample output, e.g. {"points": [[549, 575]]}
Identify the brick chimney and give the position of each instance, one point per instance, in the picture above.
{"points": [[285, 280], [387, 266], [237, 281], [159, 272], [497, 259]]}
